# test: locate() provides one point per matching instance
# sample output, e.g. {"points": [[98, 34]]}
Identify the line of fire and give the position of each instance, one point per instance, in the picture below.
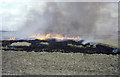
{"points": [[57, 43]]}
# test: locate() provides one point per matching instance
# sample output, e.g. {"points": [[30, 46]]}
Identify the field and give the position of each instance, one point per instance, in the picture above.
{"points": [[57, 63]]}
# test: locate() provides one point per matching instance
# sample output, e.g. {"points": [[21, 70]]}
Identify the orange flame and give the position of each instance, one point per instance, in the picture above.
{"points": [[10, 38], [54, 36]]}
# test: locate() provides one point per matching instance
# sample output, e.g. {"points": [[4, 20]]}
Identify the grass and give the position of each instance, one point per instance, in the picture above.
{"points": [[21, 44]]}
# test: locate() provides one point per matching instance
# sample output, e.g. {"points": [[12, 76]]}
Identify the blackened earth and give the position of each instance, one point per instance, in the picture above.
{"points": [[52, 45]]}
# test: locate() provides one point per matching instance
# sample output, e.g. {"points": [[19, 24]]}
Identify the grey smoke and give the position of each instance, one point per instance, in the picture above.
{"points": [[63, 18], [87, 19]]}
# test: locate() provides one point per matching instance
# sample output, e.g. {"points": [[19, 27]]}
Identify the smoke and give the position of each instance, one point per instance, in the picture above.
{"points": [[87, 19], [63, 18]]}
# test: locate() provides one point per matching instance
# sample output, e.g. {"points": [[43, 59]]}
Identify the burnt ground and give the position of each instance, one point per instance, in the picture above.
{"points": [[52, 45], [39, 61]]}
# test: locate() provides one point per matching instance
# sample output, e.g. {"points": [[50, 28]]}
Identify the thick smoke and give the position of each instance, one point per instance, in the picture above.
{"points": [[72, 19], [87, 19]]}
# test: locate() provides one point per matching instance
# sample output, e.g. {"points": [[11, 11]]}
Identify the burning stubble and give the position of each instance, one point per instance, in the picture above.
{"points": [[63, 21]]}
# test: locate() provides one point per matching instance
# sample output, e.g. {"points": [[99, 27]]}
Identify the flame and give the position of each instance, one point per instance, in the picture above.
{"points": [[10, 38], [53, 36]]}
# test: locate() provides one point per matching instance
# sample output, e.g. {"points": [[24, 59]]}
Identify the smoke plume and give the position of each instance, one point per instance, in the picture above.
{"points": [[87, 19]]}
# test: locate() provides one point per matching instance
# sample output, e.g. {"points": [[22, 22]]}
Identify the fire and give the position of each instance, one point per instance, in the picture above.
{"points": [[53, 36], [10, 38]]}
